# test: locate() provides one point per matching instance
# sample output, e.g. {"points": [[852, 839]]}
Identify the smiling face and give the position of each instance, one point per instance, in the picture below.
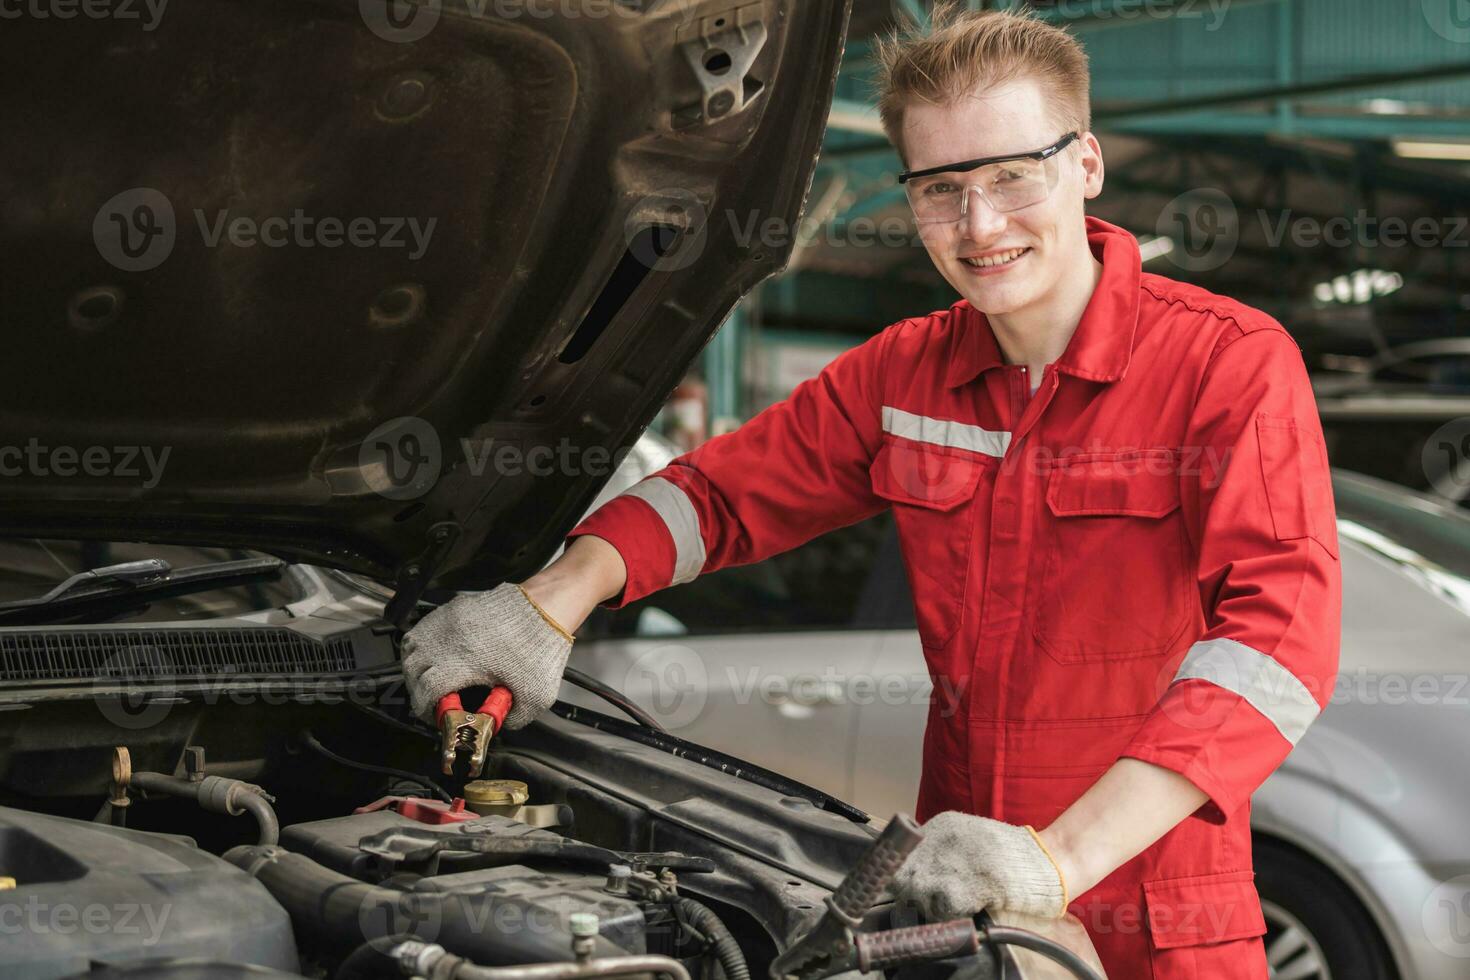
{"points": [[1005, 263]]}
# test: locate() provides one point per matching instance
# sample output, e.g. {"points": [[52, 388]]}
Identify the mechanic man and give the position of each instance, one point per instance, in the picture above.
{"points": [[1114, 506]]}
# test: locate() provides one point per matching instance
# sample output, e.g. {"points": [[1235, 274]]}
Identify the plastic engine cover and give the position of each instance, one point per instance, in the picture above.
{"points": [[540, 898], [88, 894]]}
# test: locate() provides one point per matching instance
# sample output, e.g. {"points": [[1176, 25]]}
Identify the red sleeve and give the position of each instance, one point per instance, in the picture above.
{"points": [[796, 470], [1261, 514]]}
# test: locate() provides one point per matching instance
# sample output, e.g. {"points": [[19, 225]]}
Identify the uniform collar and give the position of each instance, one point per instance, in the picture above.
{"points": [[1103, 343]]}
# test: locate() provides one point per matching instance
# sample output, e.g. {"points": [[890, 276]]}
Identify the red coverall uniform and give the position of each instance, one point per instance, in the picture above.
{"points": [[1137, 560]]}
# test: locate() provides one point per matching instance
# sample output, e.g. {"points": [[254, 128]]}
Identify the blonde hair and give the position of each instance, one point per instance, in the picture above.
{"points": [[965, 49]]}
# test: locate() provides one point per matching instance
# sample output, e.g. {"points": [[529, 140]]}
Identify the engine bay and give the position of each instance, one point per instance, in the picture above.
{"points": [[308, 839]]}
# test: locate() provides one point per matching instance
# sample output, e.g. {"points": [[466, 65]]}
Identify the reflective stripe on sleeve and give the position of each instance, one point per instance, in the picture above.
{"points": [[1268, 686], [941, 432], [677, 512]]}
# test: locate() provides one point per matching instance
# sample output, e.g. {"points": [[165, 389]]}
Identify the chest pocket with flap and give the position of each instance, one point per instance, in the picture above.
{"points": [[933, 491], [1115, 581]]}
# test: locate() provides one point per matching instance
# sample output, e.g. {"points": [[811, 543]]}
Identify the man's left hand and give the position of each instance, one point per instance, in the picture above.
{"points": [[966, 863]]}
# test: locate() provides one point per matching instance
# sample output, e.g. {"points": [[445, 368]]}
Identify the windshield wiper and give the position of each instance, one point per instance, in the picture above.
{"points": [[149, 577]]}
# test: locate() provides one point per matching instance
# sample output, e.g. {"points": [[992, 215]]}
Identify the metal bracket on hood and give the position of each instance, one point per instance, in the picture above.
{"points": [[724, 47], [415, 576]]}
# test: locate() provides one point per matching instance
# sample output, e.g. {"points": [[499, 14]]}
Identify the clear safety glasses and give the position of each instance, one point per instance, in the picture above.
{"points": [[1007, 183]]}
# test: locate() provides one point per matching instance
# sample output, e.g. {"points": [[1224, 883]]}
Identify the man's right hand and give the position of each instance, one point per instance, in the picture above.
{"points": [[515, 636]]}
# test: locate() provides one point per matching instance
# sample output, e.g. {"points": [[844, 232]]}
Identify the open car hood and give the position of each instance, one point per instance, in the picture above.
{"points": [[380, 286]]}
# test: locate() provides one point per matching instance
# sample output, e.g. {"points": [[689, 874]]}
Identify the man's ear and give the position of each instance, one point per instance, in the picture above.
{"points": [[1092, 166]]}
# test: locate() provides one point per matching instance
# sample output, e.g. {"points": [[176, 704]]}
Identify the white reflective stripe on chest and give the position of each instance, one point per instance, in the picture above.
{"points": [[941, 432]]}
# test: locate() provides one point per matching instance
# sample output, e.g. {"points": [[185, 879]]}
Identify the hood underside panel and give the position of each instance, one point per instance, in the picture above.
{"points": [[378, 287]]}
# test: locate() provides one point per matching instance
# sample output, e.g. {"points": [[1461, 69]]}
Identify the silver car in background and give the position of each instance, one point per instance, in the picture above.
{"points": [[809, 663]]}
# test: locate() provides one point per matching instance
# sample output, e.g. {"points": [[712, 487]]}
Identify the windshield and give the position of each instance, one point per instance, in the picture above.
{"points": [[31, 566]]}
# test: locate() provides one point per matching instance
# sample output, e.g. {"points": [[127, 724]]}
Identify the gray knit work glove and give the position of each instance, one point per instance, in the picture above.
{"points": [[966, 863], [489, 638]]}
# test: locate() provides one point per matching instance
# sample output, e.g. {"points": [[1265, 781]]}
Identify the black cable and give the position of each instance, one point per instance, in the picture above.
{"points": [[727, 950], [1052, 950], [616, 698], [699, 755], [415, 727], [310, 741], [517, 850]]}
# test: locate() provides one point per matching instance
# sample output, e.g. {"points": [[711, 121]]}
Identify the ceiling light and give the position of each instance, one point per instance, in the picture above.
{"points": [[1357, 287], [1432, 149], [1386, 107]]}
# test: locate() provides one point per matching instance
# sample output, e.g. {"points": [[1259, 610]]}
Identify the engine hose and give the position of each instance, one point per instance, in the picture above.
{"points": [[727, 950], [217, 794], [264, 814], [374, 959], [1052, 950], [345, 913], [112, 815], [612, 696]]}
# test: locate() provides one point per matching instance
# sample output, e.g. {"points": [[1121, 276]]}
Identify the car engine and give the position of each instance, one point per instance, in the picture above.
{"points": [[242, 841]]}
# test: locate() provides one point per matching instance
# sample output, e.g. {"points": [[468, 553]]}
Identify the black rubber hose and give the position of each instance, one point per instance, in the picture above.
{"points": [[157, 782], [115, 816], [613, 697], [709, 758], [727, 950], [345, 913], [373, 960], [264, 814], [213, 793], [1054, 951], [313, 743]]}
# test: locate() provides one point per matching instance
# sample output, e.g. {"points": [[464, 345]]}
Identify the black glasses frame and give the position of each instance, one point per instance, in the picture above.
{"points": [[967, 165]]}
